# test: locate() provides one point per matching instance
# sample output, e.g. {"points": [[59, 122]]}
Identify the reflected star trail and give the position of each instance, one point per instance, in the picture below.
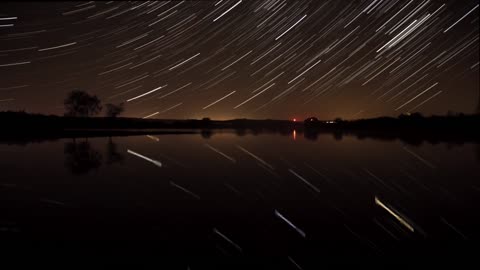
{"points": [[243, 59]]}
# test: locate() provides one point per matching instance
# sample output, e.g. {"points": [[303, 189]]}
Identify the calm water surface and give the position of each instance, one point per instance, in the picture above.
{"points": [[227, 200]]}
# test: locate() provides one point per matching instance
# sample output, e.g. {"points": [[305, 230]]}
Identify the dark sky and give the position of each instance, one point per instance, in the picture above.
{"points": [[255, 59]]}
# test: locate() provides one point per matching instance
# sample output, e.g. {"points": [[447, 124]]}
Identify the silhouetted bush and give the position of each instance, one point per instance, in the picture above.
{"points": [[113, 110], [80, 103]]}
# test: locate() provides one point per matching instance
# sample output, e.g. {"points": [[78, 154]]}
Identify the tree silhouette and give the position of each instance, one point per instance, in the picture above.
{"points": [[114, 110], [311, 119], [80, 103]]}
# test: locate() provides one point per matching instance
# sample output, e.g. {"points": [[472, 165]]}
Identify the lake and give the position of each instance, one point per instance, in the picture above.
{"points": [[200, 201]]}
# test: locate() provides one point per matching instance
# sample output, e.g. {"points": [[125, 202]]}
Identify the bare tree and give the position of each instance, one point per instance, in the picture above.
{"points": [[80, 103], [114, 110]]}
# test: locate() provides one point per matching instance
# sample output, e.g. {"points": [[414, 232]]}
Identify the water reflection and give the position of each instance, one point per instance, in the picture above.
{"points": [[113, 155], [206, 133], [477, 151], [81, 158], [221, 196]]}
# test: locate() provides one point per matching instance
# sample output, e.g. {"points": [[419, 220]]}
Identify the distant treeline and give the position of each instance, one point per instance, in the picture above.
{"points": [[412, 128], [15, 122], [414, 121]]}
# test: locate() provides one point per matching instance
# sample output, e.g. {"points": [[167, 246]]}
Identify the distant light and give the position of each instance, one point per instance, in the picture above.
{"points": [[294, 119]]}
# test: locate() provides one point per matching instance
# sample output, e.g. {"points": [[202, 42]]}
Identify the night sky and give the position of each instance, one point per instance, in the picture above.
{"points": [[243, 59]]}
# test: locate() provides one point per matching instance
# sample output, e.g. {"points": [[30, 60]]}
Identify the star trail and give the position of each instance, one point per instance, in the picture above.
{"points": [[243, 59]]}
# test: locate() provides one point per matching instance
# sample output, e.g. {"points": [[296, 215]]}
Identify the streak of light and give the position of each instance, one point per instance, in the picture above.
{"points": [[221, 153], [167, 94], [227, 239], [425, 101], [15, 64], [218, 100], [148, 43], [305, 71], [243, 56], [57, 47], [295, 263], [304, 180], [412, 99], [183, 62], [114, 69], [419, 158], [399, 36], [150, 115], [228, 10], [453, 228], [463, 17], [153, 138], [399, 218], [171, 108], [254, 96], [144, 94], [14, 87], [286, 31], [255, 157], [185, 190], [156, 162], [302, 233]]}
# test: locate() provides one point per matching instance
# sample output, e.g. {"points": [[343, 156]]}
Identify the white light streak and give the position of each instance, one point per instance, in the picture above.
{"points": [[156, 162], [183, 62], [57, 47], [277, 38], [144, 94], [228, 10], [463, 17], [416, 96], [218, 100]]}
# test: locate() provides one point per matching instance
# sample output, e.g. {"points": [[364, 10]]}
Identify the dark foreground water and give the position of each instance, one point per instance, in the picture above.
{"points": [[265, 201]]}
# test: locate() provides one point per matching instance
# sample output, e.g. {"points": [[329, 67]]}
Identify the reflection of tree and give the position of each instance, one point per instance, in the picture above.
{"points": [[310, 134], [240, 132], [338, 135], [113, 156], [206, 133], [80, 157]]}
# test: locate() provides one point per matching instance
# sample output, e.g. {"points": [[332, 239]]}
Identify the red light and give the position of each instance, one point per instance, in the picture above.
{"points": [[294, 119]]}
